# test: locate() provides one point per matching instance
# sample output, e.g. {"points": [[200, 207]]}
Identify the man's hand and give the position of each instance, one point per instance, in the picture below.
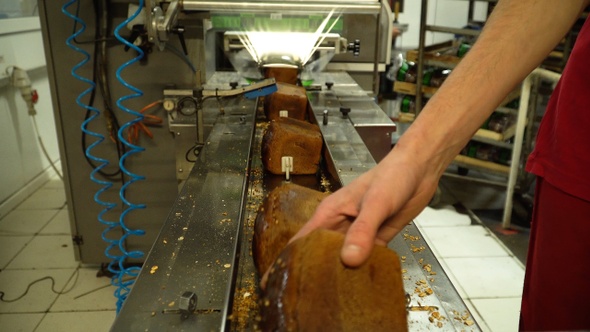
{"points": [[375, 207]]}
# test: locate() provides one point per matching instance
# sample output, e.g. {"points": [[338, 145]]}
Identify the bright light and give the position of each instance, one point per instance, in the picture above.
{"points": [[295, 45], [289, 46]]}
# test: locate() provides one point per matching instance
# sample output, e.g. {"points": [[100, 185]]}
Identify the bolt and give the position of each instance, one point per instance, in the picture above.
{"points": [[344, 111]]}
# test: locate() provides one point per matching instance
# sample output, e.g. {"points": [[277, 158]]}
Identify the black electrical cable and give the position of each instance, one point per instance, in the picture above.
{"points": [[77, 273], [114, 127], [93, 95], [96, 39], [195, 151]]}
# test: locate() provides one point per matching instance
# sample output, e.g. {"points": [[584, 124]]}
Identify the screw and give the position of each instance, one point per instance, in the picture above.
{"points": [[344, 111]]}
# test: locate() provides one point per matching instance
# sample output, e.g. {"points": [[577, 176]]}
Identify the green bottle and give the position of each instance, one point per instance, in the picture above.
{"points": [[463, 48]]}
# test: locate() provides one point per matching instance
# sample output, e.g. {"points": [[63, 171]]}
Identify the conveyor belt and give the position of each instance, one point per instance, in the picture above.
{"points": [[205, 244], [197, 247]]}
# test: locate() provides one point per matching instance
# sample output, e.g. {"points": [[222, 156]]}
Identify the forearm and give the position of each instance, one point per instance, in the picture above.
{"points": [[517, 37]]}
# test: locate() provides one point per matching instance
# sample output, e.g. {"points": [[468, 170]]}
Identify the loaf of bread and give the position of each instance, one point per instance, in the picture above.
{"points": [[309, 289], [282, 213], [282, 74], [289, 137], [288, 97]]}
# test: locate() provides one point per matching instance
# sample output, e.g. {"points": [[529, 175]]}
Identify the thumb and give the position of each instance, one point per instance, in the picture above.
{"points": [[358, 243]]}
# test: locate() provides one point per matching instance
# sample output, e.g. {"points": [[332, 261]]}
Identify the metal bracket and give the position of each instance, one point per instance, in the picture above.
{"points": [[252, 91], [161, 24]]}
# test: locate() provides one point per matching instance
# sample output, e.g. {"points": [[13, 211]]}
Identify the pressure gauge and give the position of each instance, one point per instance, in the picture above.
{"points": [[169, 105]]}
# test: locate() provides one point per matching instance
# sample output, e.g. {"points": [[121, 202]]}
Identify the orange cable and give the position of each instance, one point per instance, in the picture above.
{"points": [[149, 119]]}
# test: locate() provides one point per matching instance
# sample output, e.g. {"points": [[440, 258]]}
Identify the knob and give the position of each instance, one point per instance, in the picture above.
{"points": [[179, 30], [329, 85], [344, 111], [233, 85]]}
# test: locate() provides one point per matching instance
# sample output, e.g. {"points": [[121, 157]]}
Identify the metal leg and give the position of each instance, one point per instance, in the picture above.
{"points": [[519, 137]]}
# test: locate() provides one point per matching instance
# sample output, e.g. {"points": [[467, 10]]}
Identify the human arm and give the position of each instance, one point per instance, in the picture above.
{"points": [[377, 205]]}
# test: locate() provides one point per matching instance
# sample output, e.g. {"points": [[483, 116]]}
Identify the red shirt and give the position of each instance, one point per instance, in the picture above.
{"points": [[562, 151]]}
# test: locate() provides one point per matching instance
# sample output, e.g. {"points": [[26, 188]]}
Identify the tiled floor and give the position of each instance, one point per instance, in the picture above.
{"points": [[35, 243], [485, 273]]}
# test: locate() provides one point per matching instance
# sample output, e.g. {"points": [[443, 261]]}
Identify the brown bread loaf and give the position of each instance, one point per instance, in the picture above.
{"points": [[309, 289], [288, 97], [298, 139], [282, 74], [281, 215]]}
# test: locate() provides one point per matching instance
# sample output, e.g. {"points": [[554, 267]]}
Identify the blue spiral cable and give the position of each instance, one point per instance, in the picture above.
{"points": [[121, 280], [112, 244]]}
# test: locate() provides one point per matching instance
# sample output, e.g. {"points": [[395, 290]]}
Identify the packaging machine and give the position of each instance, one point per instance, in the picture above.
{"points": [[203, 175]]}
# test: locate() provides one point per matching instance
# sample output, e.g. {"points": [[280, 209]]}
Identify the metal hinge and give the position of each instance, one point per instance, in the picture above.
{"points": [[78, 240]]}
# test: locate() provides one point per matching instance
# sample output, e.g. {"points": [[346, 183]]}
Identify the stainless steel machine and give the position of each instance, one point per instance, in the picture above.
{"points": [[185, 184]]}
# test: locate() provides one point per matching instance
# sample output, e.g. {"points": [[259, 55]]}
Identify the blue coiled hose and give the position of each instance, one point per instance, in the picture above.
{"points": [[112, 244], [116, 265], [121, 280]]}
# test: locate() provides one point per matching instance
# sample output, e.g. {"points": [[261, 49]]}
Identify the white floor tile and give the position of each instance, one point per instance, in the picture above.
{"points": [[59, 225], [101, 297], [501, 315], [92, 321], [10, 247], [19, 322], [452, 279], [25, 222], [488, 277], [40, 296], [463, 241], [477, 317], [52, 198], [54, 183], [50, 251], [442, 217]]}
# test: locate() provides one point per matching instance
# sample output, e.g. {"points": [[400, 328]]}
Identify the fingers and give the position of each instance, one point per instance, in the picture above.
{"points": [[333, 213], [358, 243], [396, 223], [361, 235], [381, 213], [322, 218]]}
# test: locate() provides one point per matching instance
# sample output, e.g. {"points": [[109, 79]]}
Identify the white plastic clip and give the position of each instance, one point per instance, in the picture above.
{"points": [[284, 114], [287, 166]]}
